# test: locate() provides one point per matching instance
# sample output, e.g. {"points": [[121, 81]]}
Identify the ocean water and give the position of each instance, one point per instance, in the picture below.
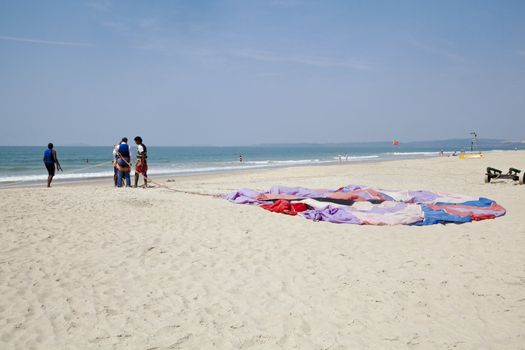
{"points": [[24, 163]]}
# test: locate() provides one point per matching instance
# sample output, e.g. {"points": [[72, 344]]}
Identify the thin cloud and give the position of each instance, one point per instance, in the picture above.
{"points": [[521, 52], [120, 26], [152, 24], [197, 52], [99, 5], [44, 42], [266, 75], [285, 3], [438, 51], [152, 45], [317, 61]]}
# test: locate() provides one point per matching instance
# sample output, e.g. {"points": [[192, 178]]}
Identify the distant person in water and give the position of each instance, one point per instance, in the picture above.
{"points": [[51, 160], [124, 163], [240, 158], [142, 164]]}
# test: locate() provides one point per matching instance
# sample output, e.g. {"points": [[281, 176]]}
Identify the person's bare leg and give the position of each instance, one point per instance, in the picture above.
{"points": [[145, 180], [136, 179], [49, 179]]}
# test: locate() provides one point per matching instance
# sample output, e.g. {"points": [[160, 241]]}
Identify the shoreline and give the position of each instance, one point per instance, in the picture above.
{"points": [[97, 179], [163, 177]]}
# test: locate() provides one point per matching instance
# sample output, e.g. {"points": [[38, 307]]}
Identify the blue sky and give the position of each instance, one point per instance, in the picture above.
{"points": [[237, 72]]}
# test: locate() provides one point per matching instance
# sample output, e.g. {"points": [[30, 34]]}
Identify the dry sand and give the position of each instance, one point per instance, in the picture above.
{"points": [[87, 266]]}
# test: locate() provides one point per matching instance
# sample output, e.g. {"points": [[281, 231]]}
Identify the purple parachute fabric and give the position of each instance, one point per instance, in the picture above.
{"points": [[365, 205], [245, 196], [331, 214], [297, 191]]}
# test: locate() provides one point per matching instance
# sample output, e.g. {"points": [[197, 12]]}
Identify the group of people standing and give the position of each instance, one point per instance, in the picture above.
{"points": [[122, 163]]}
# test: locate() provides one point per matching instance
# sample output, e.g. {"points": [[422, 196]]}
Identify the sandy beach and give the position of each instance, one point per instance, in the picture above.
{"points": [[88, 266]]}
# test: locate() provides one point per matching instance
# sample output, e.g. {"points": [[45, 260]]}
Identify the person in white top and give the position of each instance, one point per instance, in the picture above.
{"points": [[142, 163], [115, 169]]}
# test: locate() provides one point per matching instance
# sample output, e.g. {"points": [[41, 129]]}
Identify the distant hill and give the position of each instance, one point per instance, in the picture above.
{"points": [[435, 144]]}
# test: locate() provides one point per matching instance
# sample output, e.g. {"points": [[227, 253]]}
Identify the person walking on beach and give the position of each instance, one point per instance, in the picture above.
{"points": [[142, 164], [50, 160], [124, 163]]}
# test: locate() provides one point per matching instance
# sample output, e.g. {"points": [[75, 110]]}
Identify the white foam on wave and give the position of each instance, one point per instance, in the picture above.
{"points": [[6, 180], [191, 169], [278, 162], [356, 158], [413, 153], [28, 178]]}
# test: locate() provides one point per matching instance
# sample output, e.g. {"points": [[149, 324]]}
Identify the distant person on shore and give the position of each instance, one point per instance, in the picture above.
{"points": [[441, 153], [346, 157], [142, 164], [51, 160], [124, 163]]}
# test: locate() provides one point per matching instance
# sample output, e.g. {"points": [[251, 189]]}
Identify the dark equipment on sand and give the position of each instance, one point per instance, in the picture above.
{"points": [[513, 174]]}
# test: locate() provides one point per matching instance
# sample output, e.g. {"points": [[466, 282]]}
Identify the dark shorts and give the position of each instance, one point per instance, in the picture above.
{"points": [[50, 169]]}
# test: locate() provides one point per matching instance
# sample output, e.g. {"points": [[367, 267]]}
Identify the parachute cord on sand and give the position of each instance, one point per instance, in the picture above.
{"points": [[187, 192], [92, 166], [167, 187], [15, 183]]}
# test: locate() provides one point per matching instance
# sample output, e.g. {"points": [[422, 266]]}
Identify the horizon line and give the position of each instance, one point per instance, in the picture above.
{"points": [[284, 143]]}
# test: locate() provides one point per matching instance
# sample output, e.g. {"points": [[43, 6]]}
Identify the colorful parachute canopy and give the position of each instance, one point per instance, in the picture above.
{"points": [[362, 205], [395, 142]]}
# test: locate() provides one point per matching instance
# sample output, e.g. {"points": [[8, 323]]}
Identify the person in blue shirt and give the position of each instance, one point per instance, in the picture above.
{"points": [[124, 163], [50, 161]]}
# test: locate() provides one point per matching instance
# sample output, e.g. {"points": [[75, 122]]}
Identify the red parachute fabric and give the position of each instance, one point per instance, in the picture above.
{"points": [[285, 207]]}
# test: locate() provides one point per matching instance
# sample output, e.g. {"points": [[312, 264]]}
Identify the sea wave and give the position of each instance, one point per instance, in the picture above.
{"points": [[174, 170], [283, 162], [357, 158], [413, 153]]}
